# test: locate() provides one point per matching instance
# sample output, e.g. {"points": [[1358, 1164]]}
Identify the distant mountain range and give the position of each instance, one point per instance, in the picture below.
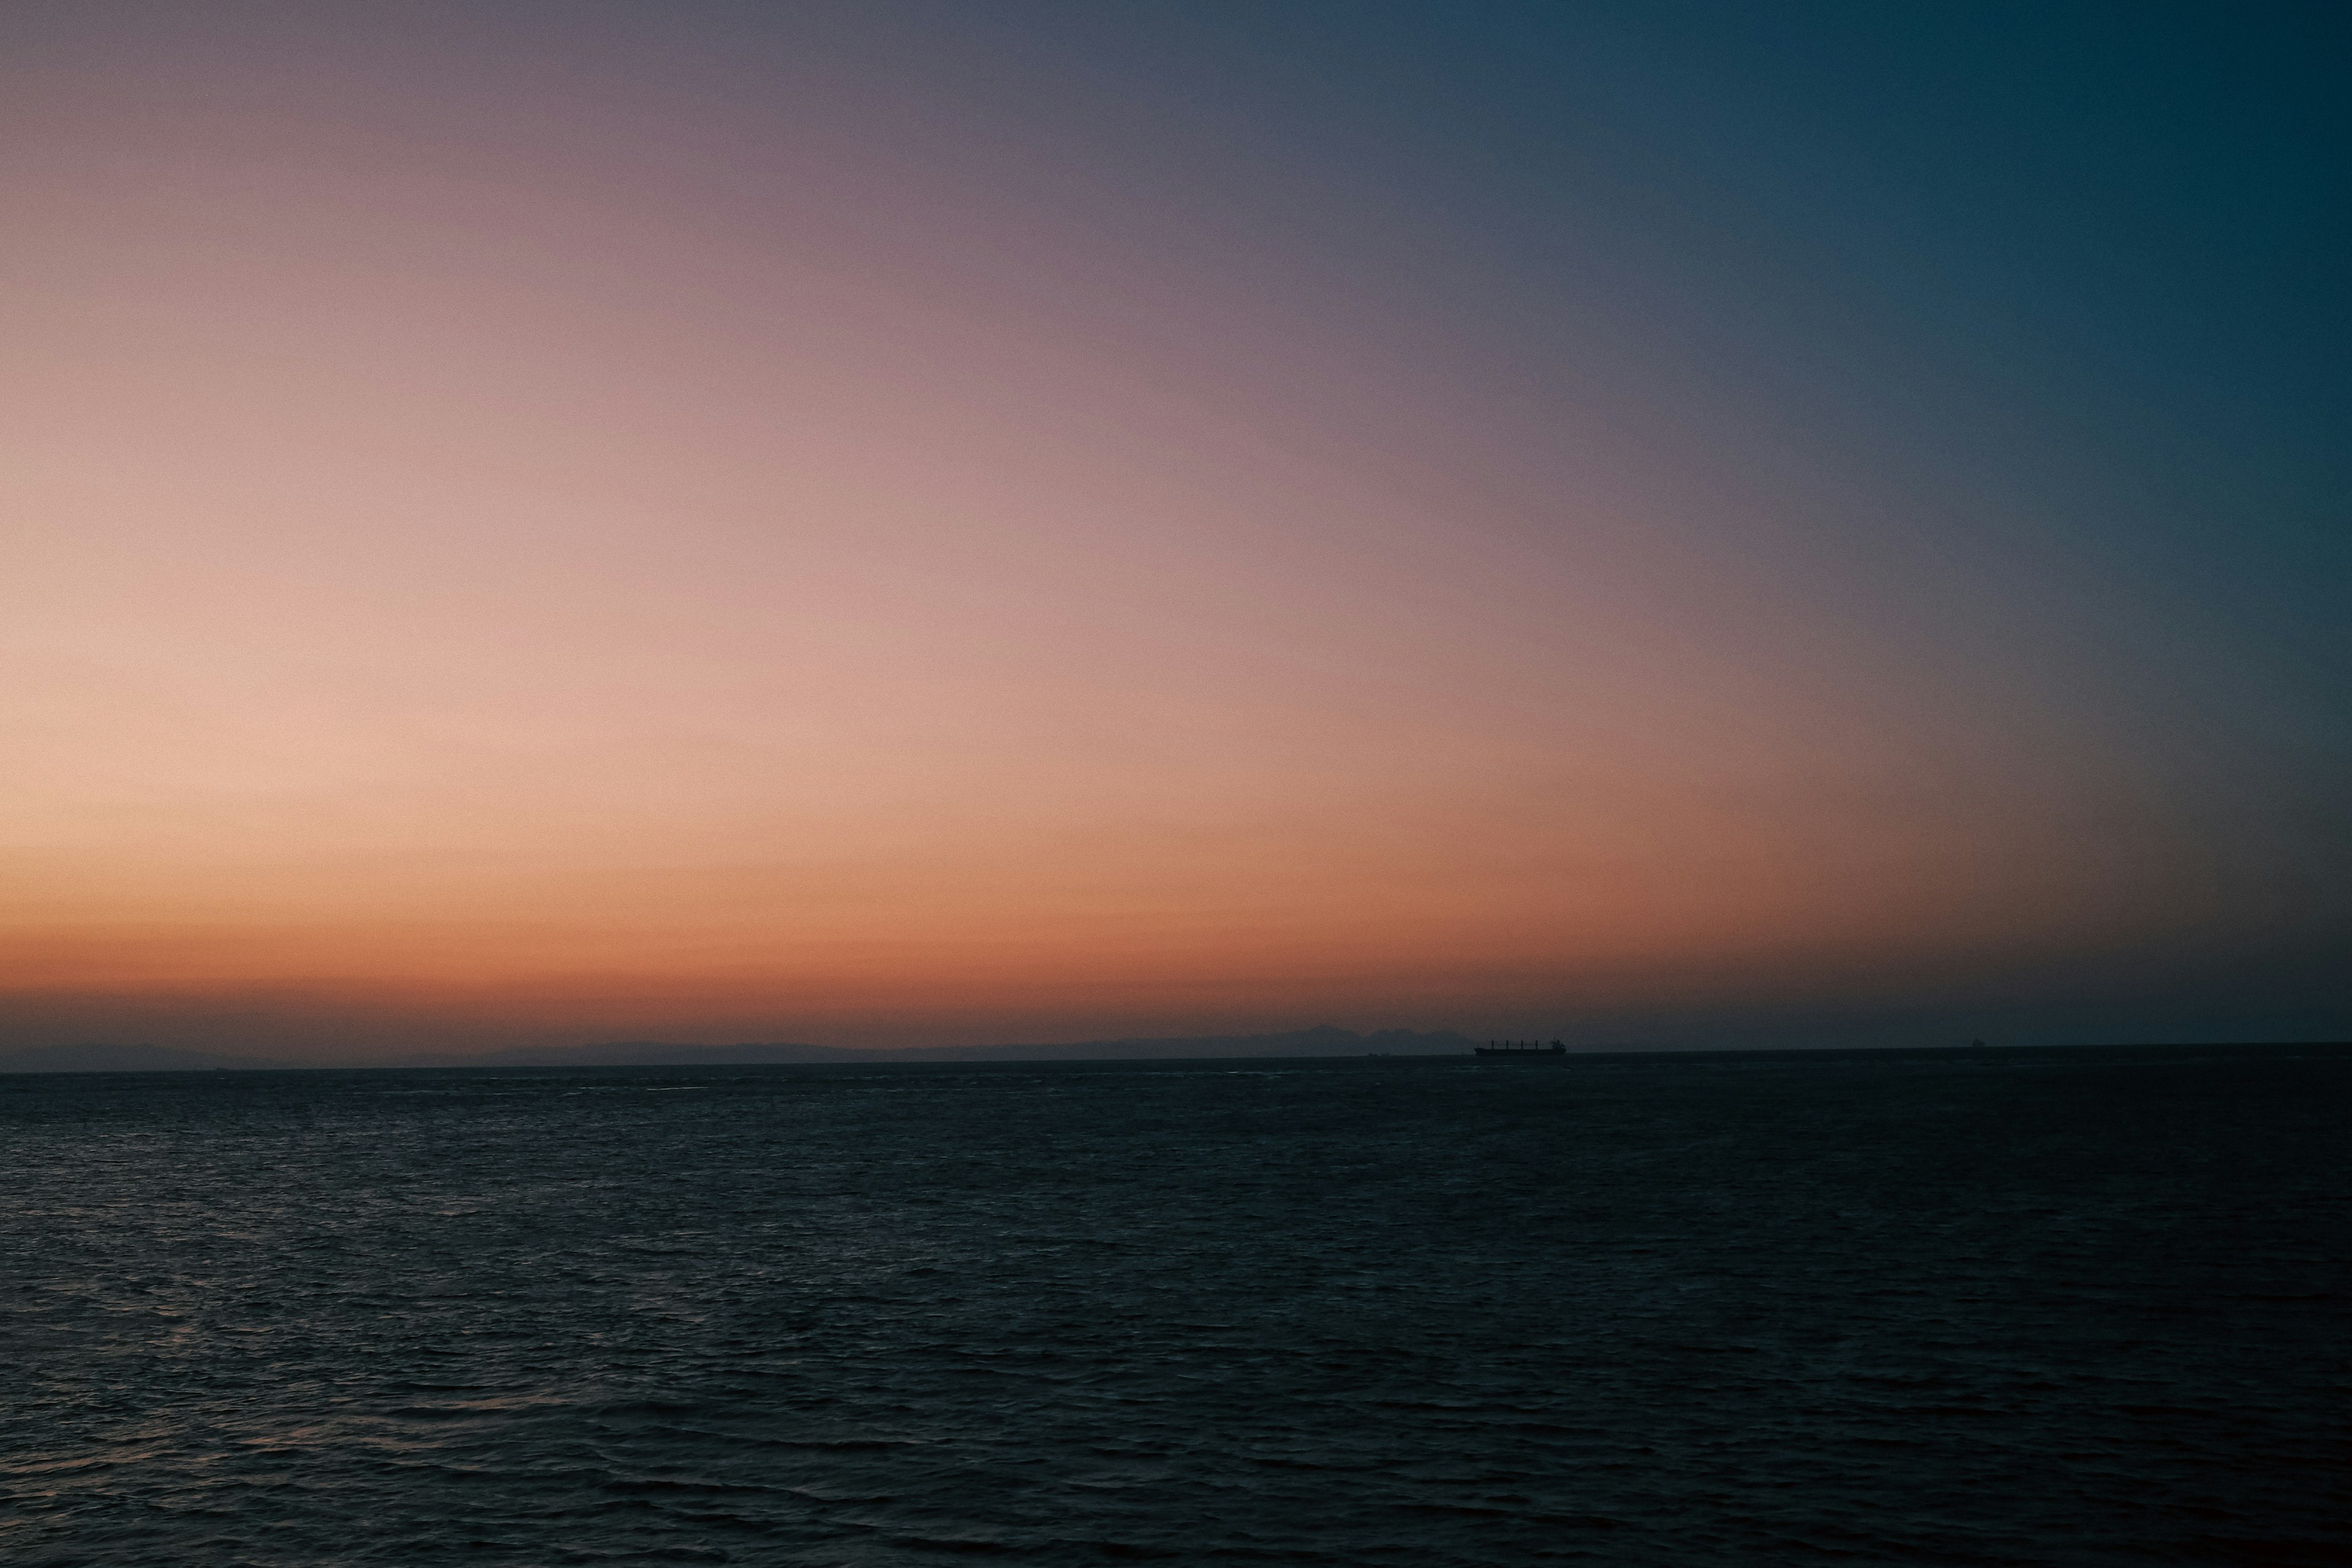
{"points": [[1321, 1042], [101, 1057]]}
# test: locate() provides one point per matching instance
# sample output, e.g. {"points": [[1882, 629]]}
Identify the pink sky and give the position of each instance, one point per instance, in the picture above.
{"points": [[523, 550]]}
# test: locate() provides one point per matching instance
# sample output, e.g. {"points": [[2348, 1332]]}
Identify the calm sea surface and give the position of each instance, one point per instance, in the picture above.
{"points": [[1969, 1307]]}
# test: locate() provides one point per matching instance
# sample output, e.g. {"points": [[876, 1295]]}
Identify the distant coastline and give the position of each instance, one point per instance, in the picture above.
{"points": [[1319, 1042], [1327, 1043]]}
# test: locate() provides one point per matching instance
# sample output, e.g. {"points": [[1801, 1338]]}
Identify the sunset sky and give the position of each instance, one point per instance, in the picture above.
{"points": [[897, 523]]}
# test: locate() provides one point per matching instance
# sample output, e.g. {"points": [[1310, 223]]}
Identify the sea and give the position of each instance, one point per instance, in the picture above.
{"points": [[2033, 1306]]}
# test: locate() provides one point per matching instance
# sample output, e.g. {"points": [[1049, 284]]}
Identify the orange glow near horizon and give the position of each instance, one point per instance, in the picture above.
{"points": [[486, 564]]}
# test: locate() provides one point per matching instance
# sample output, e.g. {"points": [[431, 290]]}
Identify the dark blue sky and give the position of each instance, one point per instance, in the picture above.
{"points": [[1448, 515]]}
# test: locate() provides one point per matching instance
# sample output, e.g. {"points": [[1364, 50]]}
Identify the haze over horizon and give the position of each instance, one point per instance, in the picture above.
{"points": [[907, 524]]}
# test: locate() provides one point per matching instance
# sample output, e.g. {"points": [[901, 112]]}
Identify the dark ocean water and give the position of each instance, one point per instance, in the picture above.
{"points": [[1970, 1308]]}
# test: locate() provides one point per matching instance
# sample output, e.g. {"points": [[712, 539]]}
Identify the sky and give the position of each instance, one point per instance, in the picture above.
{"points": [[907, 523]]}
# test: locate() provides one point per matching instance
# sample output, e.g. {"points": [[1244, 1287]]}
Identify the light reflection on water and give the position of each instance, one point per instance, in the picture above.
{"points": [[2062, 1307]]}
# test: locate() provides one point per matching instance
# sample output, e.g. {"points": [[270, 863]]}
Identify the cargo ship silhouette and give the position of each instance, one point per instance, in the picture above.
{"points": [[1521, 1048]]}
